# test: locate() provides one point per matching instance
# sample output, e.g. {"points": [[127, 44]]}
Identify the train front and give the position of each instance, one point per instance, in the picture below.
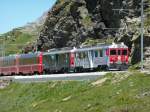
{"points": [[118, 56]]}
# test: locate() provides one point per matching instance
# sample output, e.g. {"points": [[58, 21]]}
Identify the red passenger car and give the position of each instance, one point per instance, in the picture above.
{"points": [[30, 63], [21, 64]]}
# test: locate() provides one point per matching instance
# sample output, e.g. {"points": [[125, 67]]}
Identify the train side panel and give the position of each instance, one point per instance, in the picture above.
{"points": [[91, 59], [40, 64], [8, 65], [30, 63], [57, 62]]}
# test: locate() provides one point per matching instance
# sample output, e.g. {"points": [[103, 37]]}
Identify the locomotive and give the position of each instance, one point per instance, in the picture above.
{"points": [[101, 56]]}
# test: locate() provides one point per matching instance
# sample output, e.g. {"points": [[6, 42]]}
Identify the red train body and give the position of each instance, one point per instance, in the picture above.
{"points": [[21, 64]]}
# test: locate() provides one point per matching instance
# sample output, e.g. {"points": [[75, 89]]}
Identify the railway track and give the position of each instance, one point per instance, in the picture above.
{"points": [[57, 77]]}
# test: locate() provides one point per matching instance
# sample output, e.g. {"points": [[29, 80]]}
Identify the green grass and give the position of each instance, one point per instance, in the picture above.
{"points": [[17, 45], [117, 94]]}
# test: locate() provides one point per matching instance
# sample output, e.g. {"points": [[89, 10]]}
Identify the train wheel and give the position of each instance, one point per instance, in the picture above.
{"points": [[44, 72], [12, 74], [106, 68]]}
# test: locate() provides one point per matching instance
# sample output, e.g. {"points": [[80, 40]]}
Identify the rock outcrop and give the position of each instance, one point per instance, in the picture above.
{"points": [[72, 22]]}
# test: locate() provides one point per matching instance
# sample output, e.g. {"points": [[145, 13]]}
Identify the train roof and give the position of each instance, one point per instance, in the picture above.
{"points": [[120, 45], [72, 49], [58, 50], [21, 55], [30, 55], [10, 56], [85, 48], [100, 46]]}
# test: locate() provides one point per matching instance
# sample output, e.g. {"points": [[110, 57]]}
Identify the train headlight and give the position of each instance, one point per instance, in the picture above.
{"points": [[119, 58]]}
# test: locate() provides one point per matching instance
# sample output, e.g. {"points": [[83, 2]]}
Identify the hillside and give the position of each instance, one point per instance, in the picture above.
{"points": [[112, 93], [22, 39], [35, 27]]}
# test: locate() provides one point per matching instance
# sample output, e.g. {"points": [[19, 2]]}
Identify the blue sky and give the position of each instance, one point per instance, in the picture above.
{"points": [[16, 13]]}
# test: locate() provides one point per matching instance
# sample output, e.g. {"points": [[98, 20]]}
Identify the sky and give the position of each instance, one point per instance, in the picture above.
{"points": [[16, 13]]}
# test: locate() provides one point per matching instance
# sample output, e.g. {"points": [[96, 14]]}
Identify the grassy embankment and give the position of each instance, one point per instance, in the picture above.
{"points": [[112, 93], [14, 41]]}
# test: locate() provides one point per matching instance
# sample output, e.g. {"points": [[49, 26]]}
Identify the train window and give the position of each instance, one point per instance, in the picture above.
{"points": [[57, 57], [21, 61], [6, 64], [113, 52], [92, 53], [96, 53], [33, 61], [82, 55], [119, 52], [53, 57], [124, 52], [101, 53], [77, 55], [66, 58], [62, 57], [85, 54]]}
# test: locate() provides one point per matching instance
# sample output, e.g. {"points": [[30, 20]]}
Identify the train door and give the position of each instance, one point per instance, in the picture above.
{"points": [[63, 61], [57, 66], [67, 60], [49, 62], [46, 62], [124, 56], [119, 56], [99, 57], [90, 56], [72, 59], [82, 59]]}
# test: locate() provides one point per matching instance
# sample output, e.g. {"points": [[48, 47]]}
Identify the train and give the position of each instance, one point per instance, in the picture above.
{"points": [[77, 59]]}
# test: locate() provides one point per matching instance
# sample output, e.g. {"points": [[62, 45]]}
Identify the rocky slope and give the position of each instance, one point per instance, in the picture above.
{"points": [[74, 22]]}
